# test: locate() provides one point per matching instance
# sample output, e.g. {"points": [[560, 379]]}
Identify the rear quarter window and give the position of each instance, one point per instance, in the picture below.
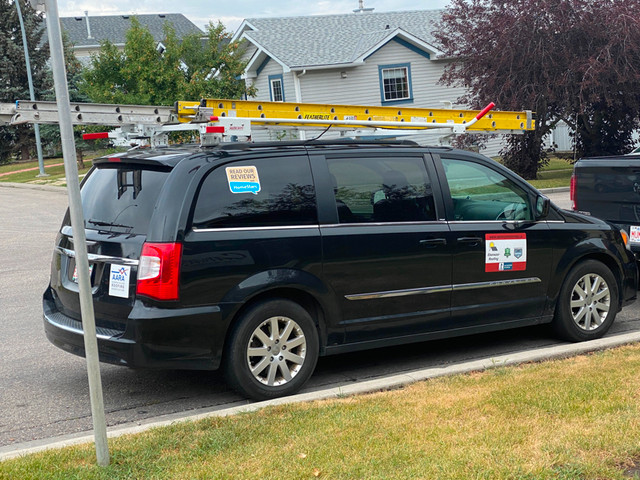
{"points": [[257, 193]]}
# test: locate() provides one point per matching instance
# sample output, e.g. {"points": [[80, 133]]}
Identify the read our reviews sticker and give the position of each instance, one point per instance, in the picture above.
{"points": [[505, 252], [243, 179]]}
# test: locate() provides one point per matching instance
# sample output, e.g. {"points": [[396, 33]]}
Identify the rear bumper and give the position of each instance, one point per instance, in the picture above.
{"points": [[186, 338]]}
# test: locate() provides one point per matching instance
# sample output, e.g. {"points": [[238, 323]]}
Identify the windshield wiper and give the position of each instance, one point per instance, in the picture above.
{"points": [[108, 224]]}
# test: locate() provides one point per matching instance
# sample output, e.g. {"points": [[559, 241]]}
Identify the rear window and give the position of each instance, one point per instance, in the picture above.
{"points": [[121, 199]]}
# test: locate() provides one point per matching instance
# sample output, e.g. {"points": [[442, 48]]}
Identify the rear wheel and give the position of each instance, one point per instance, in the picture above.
{"points": [[272, 351], [588, 302]]}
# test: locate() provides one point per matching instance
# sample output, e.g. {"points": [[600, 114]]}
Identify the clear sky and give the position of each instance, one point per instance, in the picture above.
{"points": [[232, 12]]}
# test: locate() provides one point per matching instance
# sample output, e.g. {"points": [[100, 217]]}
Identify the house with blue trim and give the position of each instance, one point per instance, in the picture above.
{"points": [[364, 58]]}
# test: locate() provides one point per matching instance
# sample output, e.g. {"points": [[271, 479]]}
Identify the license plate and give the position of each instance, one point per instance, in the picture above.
{"points": [[74, 278], [634, 234]]}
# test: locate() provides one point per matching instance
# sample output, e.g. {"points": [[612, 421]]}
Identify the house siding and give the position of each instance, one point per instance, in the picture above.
{"points": [[272, 68], [362, 87]]}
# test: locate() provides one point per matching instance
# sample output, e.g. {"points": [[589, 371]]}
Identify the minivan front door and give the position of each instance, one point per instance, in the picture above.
{"points": [[501, 256]]}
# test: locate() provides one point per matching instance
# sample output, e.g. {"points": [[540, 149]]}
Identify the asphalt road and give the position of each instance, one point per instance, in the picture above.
{"points": [[44, 391]]}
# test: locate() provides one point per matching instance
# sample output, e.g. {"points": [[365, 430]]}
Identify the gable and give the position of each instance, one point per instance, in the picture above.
{"points": [[327, 41]]}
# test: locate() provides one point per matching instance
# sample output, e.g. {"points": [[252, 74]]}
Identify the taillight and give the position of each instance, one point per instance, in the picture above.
{"points": [[572, 192], [159, 271]]}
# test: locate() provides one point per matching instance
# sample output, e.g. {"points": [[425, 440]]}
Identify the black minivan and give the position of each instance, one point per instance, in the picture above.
{"points": [[259, 258]]}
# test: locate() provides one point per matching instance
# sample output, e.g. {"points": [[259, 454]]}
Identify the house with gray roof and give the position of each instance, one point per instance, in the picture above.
{"points": [[87, 33], [388, 58], [363, 58]]}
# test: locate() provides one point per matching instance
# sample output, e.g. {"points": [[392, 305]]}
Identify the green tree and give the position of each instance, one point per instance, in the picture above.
{"points": [[185, 70], [50, 133], [571, 60], [13, 72]]}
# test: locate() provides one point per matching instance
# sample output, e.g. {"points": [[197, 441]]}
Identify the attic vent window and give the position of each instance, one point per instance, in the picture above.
{"points": [[126, 17], [78, 19], [162, 16]]}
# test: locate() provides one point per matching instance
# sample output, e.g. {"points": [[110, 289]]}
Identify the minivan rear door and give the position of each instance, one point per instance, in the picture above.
{"points": [[118, 198]]}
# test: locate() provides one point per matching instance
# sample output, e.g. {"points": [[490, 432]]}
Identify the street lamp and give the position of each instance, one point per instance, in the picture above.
{"points": [[32, 95], [50, 7]]}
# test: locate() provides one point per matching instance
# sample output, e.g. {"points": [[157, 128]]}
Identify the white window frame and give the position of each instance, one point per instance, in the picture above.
{"points": [[405, 80], [276, 88]]}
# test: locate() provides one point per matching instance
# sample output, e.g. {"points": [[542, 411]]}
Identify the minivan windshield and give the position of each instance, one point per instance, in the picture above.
{"points": [[120, 199]]}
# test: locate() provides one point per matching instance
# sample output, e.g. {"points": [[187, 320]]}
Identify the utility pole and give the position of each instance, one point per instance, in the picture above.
{"points": [[77, 225], [32, 95]]}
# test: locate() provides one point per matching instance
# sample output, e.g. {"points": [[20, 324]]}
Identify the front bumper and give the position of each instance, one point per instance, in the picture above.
{"points": [[185, 338]]}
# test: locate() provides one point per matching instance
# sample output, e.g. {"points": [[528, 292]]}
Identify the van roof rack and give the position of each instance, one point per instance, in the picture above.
{"points": [[227, 121]]}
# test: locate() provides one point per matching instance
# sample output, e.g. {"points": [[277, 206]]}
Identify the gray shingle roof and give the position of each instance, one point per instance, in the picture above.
{"points": [[336, 39], [114, 27]]}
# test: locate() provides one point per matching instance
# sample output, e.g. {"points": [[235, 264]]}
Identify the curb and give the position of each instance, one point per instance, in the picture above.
{"points": [[554, 190], [367, 386], [34, 186]]}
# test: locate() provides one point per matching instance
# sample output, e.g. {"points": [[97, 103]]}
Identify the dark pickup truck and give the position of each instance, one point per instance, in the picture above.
{"points": [[609, 188]]}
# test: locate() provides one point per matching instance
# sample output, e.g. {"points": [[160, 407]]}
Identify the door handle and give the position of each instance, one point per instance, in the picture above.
{"points": [[433, 242], [473, 241]]}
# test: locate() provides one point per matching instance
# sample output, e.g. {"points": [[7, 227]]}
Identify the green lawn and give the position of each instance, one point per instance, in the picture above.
{"points": [[56, 175], [577, 418], [11, 167]]}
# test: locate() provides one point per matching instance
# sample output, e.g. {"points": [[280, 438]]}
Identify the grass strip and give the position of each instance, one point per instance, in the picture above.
{"points": [[56, 175], [577, 418]]}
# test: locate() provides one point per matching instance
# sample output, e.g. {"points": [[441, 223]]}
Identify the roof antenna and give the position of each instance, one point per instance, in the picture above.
{"points": [[361, 8]]}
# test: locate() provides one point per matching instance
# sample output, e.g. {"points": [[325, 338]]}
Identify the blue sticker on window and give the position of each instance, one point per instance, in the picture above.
{"points": [[243, 179]]}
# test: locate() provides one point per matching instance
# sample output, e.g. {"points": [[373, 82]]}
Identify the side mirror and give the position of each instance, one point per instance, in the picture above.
{"points": [[542, 207]]}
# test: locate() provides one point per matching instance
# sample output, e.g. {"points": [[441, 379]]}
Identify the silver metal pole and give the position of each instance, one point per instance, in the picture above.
{"points": [[32, 95], [79, 238]]}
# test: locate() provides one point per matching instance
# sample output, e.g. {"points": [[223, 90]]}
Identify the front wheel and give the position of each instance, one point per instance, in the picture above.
{"points": [[272, 351], [588, 302]]}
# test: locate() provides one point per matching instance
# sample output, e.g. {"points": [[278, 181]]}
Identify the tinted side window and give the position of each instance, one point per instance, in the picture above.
{"points": [[481, 193], [255, 193], [382, 189]]}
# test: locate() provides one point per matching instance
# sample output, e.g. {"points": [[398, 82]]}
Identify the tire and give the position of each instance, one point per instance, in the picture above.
{"points": [[262, 364], [588, 302]]}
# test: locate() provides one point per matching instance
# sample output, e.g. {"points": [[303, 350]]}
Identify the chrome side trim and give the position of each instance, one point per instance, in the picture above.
{"points": [[466, 222], [382, 224], [495, 283], [399, 293], [100, 258], [248, 229], [442, 288]]}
